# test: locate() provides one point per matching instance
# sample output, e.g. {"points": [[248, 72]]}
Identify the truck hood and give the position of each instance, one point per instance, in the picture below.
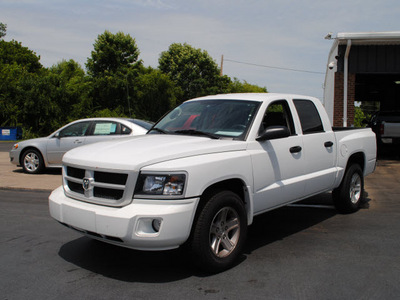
{"points": [[133, 153]]}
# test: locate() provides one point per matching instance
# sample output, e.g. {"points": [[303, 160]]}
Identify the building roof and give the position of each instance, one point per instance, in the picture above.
{"points": [[369, 38]]}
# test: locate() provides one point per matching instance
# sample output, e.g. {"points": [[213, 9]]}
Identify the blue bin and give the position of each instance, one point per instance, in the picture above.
{"points": [[10, 133]]}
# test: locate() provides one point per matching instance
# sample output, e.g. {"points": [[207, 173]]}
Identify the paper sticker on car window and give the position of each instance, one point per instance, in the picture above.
{"points": [[105, 128]]}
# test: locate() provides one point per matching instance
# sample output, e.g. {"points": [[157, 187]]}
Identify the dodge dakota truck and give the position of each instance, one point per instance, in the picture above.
{"points": [[201, 174]]}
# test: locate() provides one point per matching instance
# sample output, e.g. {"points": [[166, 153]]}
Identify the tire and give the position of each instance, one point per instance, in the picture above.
{"points": [[32, 161], [349, 195], [219, 232]]}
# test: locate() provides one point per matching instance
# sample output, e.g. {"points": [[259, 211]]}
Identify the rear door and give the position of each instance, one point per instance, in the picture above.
{"points": [[319, 150], [104, 130]]}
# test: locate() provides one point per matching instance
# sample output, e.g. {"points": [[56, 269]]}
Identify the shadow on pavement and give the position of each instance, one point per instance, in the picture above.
{"points": [[166, 266], [48, 171]]}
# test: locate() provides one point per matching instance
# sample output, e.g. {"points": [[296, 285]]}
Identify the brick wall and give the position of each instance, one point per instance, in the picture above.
{"points": [[338, 99]]}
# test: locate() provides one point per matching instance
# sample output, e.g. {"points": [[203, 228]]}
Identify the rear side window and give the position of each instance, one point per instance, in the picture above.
{"points": [[125, 130], [309, 116], [105, 128]]}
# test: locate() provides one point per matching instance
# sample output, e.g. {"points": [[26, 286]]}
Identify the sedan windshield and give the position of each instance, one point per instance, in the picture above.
{"points": [[211, 118]]}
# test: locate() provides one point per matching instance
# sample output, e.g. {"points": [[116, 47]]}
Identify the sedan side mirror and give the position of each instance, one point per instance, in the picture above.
{"points": [[274, 132]]}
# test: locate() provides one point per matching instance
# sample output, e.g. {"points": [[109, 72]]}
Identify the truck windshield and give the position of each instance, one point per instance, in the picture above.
{"points": [[212, 118]]}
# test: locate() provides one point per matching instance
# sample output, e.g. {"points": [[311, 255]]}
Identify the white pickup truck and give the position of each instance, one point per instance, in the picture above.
{"points": [[206, 169]]}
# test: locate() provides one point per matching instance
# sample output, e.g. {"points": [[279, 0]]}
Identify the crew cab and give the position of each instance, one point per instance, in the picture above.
{"points": [[202, 173]]}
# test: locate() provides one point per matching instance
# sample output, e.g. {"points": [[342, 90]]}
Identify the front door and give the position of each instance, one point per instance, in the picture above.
{"points": [[68, 138], [278, 164]]}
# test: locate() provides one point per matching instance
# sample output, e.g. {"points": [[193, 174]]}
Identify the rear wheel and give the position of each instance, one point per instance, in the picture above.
{"points": [[349, 195], [220, 232], [32, 161]]}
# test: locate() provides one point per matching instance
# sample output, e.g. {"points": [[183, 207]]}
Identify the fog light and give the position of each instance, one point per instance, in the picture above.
{"points": [[156, 225]]}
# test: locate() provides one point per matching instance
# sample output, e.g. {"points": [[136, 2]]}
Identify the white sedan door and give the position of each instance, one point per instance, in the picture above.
{"points": [[70, 137]]}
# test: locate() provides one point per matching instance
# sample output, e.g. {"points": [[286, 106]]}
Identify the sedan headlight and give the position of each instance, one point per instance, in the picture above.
{"points": [[160, 184]]}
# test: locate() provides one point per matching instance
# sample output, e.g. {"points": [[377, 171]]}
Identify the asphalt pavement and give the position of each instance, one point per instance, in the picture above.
{"points": [[305, 251], [296, 252], [12, 177]]}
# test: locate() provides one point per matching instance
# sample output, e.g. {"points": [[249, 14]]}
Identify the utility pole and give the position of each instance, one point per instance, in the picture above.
{"points": [[222, 65], [127, 96]]}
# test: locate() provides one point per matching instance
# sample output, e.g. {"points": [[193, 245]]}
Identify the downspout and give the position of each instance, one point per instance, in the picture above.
{"points": [[345, 83]]}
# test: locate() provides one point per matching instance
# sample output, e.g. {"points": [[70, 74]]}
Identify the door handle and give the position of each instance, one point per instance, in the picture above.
{"points": [[77, 142], [295, 149], [328, 144]]}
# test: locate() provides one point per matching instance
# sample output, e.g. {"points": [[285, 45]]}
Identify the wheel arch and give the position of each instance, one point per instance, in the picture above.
{"points": [[356, 158], [235, 185], [21, 155]]}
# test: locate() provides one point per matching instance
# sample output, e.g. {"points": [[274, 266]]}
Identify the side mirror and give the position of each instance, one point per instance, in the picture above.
{"points": [[274, 132]]}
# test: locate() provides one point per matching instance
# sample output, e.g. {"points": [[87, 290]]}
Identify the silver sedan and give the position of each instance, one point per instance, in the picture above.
{"points": [[37, 154]]}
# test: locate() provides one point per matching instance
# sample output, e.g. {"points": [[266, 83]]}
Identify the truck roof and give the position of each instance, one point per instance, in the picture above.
{"points": [[261, 97]]}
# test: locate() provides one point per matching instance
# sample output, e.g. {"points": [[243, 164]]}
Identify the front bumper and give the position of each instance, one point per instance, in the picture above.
{"points": [[129, 226], [14, 157]]}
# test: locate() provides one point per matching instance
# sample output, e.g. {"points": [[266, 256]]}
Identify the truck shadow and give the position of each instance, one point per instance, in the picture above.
{"points": [[168, 266], [47, 171]]}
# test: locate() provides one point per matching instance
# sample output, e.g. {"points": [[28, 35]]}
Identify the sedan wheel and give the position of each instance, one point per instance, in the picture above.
{"points": [[32, 162]]}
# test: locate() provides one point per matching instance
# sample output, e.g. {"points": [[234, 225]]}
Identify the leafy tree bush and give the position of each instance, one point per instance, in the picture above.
{"points": [[116, 84], [112, 67], [193, 70], [155, 94], [244, 87]]}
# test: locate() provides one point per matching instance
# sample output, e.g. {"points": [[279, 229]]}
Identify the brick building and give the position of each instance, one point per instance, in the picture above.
{"points": [[364, 68]]}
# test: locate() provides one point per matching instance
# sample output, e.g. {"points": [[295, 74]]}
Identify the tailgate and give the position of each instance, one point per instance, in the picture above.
{"points": [[391, 129]]}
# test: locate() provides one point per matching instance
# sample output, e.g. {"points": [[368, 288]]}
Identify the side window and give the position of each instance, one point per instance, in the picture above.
{"points": [[309, 116], [278, 114], [105, 128], [77, 129], [125, 130]]}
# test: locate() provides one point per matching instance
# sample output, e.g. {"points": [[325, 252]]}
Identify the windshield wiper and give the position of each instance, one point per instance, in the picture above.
{"points": [[197, 132], [158, 129]]}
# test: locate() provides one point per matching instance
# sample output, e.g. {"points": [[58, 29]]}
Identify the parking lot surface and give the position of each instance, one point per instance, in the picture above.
{"points": [[305, 251]]}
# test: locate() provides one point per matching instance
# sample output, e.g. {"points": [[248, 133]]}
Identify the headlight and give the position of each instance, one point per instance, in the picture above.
{"points": [[161, 184], [15, 146]]}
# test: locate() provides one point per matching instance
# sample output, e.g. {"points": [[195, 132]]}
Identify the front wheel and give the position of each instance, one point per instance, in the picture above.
{"points": [[348, 196], [220, 232], [32, 161]]}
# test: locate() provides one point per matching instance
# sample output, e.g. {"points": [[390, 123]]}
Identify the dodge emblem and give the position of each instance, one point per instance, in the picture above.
{"points": [[86, 184]]}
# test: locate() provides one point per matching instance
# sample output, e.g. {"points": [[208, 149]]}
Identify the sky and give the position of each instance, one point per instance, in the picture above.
{"points": [[277, 44]]}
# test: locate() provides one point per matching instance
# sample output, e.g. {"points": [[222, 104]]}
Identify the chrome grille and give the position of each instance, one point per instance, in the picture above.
{"points": [[103, 187]]}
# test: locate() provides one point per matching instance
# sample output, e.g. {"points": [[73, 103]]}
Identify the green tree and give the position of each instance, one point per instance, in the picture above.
{"points": [[13, 52], [236, 86], [193, 70], [112, 67], [72, 91], [154, 94], [3, 29], [113, 53], [17, 64]]}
